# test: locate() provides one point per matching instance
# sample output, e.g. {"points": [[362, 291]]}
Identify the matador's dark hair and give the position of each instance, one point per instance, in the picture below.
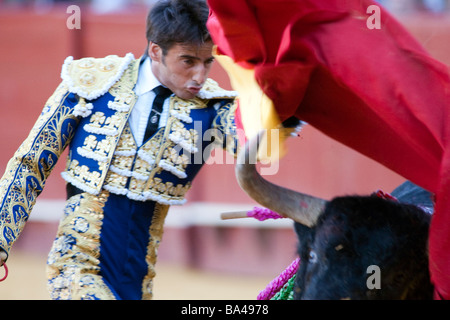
{"points": [[178, 21]]}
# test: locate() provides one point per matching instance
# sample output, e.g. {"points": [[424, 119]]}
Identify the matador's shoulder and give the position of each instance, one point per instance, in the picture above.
{"points": [[212, 90], [90, 78]]}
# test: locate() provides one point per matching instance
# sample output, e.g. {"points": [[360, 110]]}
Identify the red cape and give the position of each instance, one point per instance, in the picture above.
{"points": [[375, 90]]}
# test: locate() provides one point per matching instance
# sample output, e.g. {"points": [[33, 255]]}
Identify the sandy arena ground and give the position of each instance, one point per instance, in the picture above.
{"points": [[26, 281]]}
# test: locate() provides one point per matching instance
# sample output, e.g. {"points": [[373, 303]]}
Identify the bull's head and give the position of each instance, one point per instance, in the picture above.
{"points": [[346, 241]]}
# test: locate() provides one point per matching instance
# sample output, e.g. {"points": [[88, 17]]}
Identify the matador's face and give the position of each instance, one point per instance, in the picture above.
{"points": [[184, 68]]}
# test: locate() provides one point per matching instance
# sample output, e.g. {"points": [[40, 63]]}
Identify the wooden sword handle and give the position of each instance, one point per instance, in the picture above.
{"points": [[234, 215]]}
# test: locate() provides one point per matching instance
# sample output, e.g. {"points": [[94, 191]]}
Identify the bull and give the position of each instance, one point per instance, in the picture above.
{"points": [[342, 241]]}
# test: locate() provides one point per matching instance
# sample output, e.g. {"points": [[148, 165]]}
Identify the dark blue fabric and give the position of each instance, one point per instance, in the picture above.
{"points": [[123, 245], [100, 105]]}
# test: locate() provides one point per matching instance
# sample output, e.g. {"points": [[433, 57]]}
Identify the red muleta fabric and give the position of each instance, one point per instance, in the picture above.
{"points": [[375, 90]]}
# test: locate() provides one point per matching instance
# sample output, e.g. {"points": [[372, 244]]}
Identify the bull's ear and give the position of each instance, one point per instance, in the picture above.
{"points": [[304, 233]]}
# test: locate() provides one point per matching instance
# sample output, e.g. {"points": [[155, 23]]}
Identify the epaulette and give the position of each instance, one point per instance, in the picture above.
{"points": [[211, 90], [91, 78]]}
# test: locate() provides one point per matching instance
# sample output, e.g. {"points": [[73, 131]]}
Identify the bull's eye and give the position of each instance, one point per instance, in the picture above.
{"points": [[312, 257]]}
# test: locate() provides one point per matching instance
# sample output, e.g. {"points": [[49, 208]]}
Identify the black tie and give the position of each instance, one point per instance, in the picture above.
{"points": [[153, 120]]}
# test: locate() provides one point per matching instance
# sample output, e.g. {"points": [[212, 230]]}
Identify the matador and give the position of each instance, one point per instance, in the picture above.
{"points": [[120, 183]]}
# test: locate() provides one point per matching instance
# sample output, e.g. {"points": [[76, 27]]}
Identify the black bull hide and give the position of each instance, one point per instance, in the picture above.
{"points": [[366, 247]]}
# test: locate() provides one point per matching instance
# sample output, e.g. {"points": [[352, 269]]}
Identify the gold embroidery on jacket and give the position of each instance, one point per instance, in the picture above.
{"points": [[91, 78], [225, 123], [133, 171], [73, 262], [27, 171], [155, 233], [138, 168], [110, 127]]}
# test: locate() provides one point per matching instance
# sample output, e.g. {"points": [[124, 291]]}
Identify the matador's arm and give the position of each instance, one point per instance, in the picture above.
{"points": [[28, 169]]}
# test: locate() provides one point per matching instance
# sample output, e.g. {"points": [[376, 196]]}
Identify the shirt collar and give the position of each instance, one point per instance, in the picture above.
{"points": [[146, 79]]}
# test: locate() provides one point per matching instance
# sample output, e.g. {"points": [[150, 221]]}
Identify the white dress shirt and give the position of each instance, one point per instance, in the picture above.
{"points": [[146, 82]]}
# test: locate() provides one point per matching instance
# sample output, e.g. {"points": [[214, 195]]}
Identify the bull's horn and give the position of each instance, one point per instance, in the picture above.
{"points": [[300, 207]]}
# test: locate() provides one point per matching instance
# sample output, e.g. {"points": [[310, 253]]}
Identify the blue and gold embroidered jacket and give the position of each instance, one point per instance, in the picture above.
{"points": [[89, 112]]}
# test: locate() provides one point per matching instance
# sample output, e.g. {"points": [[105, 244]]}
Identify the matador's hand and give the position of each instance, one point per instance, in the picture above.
{"points": [[3, 257]]}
